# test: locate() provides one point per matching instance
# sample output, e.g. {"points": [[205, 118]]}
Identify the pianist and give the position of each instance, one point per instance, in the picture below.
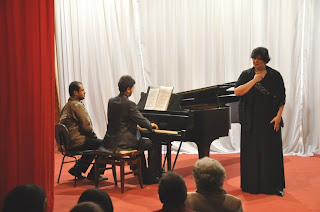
{"points": [[123, 134]]}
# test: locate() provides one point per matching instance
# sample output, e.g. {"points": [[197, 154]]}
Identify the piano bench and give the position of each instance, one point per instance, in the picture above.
{"points": [[121, 159]]}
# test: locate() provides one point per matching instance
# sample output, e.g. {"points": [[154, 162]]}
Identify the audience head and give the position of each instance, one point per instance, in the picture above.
{"points": [[262, 52], [74, 86], [27, 197], [86, 207], [126, 82], [172, 190], [209, 174], [99, 197]]}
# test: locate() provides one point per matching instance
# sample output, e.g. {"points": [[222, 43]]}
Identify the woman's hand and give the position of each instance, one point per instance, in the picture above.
{"points": [[245, 88], [276, 120], [257, 77]]}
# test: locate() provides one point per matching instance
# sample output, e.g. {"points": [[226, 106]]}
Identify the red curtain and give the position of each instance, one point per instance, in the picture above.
{"points": [[27, 95]]}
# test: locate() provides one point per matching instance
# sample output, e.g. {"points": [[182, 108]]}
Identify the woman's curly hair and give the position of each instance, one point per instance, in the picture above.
{"points": [[262, 52]]}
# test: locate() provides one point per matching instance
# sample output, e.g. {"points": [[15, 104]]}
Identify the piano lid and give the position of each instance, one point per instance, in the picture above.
{"points": [[223, 89], [209, 96], [212, 96]]}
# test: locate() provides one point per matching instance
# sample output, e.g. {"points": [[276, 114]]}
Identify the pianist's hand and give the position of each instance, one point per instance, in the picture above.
{"points": [[139, 128], [154, 126]]}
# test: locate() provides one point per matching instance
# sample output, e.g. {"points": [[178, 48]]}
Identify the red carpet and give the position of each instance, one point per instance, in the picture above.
{"points": [[301, 174]]}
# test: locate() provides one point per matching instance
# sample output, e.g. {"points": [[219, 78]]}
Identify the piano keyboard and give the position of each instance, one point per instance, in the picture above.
{"points": [[161, 131]]}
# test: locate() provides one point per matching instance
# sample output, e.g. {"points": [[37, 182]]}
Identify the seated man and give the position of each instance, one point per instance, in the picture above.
{"points": [[27, 197], [172, 193], [209, 176], [76, 118], [123, 134]]}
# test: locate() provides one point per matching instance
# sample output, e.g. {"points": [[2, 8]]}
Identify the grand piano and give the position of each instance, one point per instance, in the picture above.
{"points": [[200, 116]]}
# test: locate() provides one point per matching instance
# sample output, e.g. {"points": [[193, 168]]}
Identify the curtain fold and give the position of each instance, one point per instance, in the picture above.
{"points": [[27, 93], [192, 44]]}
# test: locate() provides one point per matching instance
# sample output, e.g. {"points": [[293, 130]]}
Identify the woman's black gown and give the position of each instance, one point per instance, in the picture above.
{"points": [[261, 156]]}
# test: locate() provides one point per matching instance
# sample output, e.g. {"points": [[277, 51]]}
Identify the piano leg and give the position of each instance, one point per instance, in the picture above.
{"points": [[169, 156], [204, 149]]}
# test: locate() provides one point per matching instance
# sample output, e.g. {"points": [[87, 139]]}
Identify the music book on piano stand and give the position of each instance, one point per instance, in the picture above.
{"points": [[158, 98]]}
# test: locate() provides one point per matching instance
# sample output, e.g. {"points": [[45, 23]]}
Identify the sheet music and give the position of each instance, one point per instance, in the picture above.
{"points": [[230, 89], [158, 98], [163, 98], [152, 98]]}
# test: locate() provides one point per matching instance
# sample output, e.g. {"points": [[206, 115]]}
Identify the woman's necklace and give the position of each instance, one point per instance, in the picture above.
{"points": [[262, 72]]}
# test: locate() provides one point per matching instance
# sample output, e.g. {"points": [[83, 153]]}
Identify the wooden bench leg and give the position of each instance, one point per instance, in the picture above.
{"points": [[139, 172], [122, 175], [114, 173]]}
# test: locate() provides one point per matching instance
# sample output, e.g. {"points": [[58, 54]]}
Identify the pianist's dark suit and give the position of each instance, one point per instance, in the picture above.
{"points": [[122, 133]]}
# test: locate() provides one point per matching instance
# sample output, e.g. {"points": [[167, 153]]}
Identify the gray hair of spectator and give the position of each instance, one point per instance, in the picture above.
{"points": [[172, 189], [86, 207], [98, 196], [209, 174], [25, 197]]}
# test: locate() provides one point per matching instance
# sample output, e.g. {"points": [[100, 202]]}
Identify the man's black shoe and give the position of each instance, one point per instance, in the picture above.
{"points": [[162, 172], [91, 177], [78, 174], [133, 167], [150, 180]]}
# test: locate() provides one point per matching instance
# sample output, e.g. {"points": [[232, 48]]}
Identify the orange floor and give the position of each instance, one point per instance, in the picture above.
{"points": [[301, 173]]}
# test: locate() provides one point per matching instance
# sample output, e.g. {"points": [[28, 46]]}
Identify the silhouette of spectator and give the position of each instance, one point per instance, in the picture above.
{"points": [[27, 198], [209, 176], [172, 193], [99, 197], [86, 207]]}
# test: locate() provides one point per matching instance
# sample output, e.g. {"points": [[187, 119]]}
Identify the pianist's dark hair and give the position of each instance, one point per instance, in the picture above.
{"points": [[172, 190], [125, 82], [262, 52], [74, 86]]}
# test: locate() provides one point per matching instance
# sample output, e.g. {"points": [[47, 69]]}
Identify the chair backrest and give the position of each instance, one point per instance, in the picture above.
{"points": [[62, 136]]}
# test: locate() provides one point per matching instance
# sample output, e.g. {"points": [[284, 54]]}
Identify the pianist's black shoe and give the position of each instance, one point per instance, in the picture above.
{"points": [[91, 177], [150, 180], [78, 174], [133, 167]]}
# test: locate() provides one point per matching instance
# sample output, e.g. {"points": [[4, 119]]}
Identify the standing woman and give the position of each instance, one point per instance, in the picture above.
{"points": [[262, 99]]}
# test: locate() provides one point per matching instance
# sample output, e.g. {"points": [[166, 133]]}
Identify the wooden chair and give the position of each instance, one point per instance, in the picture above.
{"points": [[121, 159], [62, 136]]}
